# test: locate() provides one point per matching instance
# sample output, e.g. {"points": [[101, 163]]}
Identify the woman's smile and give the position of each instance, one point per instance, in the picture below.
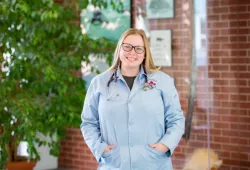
{"points": [[131, 58]]}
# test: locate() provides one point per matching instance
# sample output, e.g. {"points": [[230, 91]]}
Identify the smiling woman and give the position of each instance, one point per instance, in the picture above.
{"points": [[131, 59], [125, 124]]}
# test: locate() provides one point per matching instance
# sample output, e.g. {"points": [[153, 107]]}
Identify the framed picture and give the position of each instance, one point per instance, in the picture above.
{"points": [[97, 23], [160, 44], [160, 8], [106, 22]]}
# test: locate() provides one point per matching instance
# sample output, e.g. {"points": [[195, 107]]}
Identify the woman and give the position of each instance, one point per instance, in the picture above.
{"points": [[132, 118]]}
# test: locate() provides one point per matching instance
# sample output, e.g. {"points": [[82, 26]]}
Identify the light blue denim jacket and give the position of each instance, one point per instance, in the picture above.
{"points": [[131, 120]]}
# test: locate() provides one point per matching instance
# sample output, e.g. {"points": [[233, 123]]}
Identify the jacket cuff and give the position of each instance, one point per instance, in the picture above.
{"points": [[168, 144], [100, 151]]}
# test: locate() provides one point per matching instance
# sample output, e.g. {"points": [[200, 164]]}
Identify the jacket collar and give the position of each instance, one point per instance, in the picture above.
{"points": [[141, 74]]}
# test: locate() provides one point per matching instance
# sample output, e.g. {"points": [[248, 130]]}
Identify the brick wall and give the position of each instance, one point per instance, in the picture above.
{"points": [[223, 86], [75, 155]]}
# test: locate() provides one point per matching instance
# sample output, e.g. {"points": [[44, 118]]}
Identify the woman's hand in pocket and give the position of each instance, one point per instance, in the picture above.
{"points": [[108, 148], [160, 147]]}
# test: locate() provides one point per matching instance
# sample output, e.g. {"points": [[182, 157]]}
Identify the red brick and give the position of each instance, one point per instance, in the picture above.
{"points": [[238, 24], [78, 138], [234, 162], [238, 112], [229, 89], [86, 157], [244, 90], [74, 156], [220, 67], [234, 16], [233, 2], [234, 39], [238, 9], [214, 61], [221, 82], [239, 141], [180, 60], [238, 68], [221, 53], [213, 74], [91, 164], [67, 149], [241, 127], [232, 46], [74, 131], [220, 139], [221, 24], [213, 3], [78, 150], [215, 146], [244, 119], [82, 144], [221, 125], [221, 39], [214, 89], [215, 131], [223, 154], [232, 133], [244, 46], [244, 75], [230, 118], [220, 10], [234, 60], [244, 105], [72, 143], [239, 53], [215, 46], [238, 97], [215, 32], [238, 82], [229, 31]]}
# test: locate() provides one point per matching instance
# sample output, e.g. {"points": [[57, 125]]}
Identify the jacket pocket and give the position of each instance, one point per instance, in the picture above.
{"points": [[156, 160], [110, 152], [111, 158], [155, 152]]}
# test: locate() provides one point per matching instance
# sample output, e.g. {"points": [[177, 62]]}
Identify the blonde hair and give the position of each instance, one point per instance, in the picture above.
{"points": [[148, 62]]}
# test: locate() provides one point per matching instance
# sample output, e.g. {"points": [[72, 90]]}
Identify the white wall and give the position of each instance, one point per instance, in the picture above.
{"points": [[47, 161]]}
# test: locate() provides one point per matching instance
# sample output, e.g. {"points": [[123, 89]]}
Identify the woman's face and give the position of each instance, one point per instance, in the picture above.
{"points": [[132, 52]]}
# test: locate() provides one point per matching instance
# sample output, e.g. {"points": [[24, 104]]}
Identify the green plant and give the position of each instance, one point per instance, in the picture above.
{"points": [[40, 52]]}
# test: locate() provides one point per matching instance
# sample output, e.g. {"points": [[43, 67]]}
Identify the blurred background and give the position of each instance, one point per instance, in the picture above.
{"points": [[51, 49]]}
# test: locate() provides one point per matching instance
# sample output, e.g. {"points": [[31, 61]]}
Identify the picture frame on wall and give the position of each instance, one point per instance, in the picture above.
{"points": [[160, 45], [106, 22], [160, 9], [102, 23]]}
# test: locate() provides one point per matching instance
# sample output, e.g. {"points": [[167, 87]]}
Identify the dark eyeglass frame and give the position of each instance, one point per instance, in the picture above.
{"points": [[133, 47]]}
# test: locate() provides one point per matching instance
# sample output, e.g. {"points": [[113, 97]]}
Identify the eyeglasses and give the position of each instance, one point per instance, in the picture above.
{"points": [[128, 47]]}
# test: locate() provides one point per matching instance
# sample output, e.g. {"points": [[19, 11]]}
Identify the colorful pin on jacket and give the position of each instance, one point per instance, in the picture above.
{"points": [[149, 85]]}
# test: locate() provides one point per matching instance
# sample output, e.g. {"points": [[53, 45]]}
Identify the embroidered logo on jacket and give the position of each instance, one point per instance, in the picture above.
{"points": [[149, 85]]}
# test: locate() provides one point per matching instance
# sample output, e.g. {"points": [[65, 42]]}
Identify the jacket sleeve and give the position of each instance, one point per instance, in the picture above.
{"points": [[90, 127], [174, 119]]}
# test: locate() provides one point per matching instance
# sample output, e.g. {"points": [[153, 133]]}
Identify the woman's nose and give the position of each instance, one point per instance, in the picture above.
{"points": [[133, 51]]}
